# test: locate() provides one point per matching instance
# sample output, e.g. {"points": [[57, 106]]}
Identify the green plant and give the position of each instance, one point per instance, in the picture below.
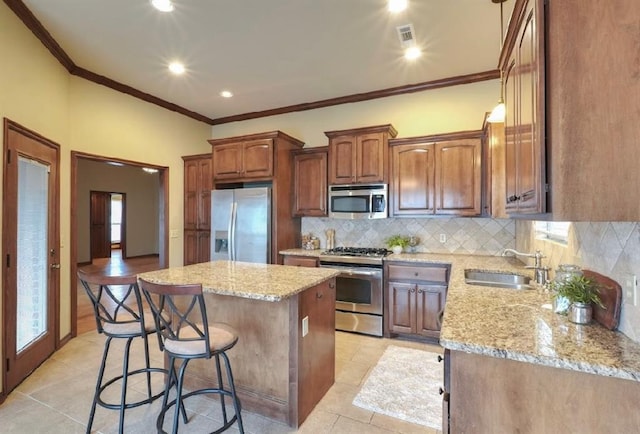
{"points": [[397, 240], [579, 289]]}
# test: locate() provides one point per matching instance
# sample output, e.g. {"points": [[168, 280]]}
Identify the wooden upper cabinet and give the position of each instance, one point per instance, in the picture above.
{"points": [[523, 72], [458, 180], [246, 159], [359, 156], [310, 180], [439, 174], [257, 158], [412, 179]]}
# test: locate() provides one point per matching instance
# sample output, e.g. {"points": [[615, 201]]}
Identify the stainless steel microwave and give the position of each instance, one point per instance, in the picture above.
{"points": [[358, 201]]}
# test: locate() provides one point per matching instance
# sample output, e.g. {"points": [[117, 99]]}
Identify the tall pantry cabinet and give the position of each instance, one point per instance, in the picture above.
{"points": [[197, 208]]}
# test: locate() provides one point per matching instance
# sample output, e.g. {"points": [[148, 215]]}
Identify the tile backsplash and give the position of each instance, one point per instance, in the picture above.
{"points": [[609, 248], [481, 236]]}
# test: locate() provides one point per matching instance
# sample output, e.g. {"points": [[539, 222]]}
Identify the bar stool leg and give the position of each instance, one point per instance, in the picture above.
{"points": [[103, 364], [123, 391], [221, 387], [148, 364], [234, 397]]}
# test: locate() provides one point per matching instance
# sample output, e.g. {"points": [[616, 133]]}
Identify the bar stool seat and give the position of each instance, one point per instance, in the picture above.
{"points": [[119, 314], [189, 336]]}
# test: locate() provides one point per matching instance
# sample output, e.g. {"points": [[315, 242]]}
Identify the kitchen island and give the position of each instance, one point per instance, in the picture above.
{"points": [[280, 370], [515, 366]]}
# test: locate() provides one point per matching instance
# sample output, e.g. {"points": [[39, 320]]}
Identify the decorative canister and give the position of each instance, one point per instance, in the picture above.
{"points": [[562, 274], [580, 313]]}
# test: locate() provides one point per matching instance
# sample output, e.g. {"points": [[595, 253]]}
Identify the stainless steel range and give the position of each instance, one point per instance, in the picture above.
{"points": [[358, 288]]}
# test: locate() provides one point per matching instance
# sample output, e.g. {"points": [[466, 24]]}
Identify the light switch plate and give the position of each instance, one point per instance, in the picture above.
{"points": [[631, 289], [443, 238], [305, 326]]}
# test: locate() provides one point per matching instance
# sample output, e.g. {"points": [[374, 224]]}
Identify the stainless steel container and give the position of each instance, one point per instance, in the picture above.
{"points": [[580, 313]]}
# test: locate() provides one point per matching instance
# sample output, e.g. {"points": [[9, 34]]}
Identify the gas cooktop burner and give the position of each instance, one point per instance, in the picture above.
{"points": [[357, 252]]}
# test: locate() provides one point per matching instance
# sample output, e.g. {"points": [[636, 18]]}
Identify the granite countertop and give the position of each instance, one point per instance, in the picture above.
{"points": [[242, 279], [302, 252], [513, 324]]}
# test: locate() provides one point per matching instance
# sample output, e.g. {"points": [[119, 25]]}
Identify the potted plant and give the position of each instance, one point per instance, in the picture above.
{"points": [[582, 293], [397, 242]]}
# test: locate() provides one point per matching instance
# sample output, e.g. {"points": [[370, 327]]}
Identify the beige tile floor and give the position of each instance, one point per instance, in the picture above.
{"points": [[56, 398]]}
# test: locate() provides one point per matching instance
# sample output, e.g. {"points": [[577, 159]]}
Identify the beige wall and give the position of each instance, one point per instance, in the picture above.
{"points": [[457, 108], [142, 193], [38, 93]]}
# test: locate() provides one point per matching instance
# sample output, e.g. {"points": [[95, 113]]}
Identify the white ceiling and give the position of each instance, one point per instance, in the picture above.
{"points": [[271, 53]]}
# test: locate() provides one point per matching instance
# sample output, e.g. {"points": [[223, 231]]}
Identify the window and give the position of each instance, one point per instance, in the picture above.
{"points": [[116, 217], [554, 231]]}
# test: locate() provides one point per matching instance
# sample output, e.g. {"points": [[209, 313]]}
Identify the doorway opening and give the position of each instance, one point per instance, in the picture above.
{"points": [[107, 219], [133, 240]]}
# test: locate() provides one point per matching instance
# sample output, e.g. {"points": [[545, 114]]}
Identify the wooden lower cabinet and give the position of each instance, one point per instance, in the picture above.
{"points": [[415, 299], [490, 395], [197, 247], [300, 261]]}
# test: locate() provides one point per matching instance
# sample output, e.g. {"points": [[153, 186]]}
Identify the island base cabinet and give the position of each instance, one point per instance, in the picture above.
{"points": [[490, 395], [278, 372]]}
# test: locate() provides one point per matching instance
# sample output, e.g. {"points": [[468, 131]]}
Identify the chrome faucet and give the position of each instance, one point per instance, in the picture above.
{"points": [[541, 273]]}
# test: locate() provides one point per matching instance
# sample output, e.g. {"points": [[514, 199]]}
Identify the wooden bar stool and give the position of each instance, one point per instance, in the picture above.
{"points": [[118, 310], [185, 334]]}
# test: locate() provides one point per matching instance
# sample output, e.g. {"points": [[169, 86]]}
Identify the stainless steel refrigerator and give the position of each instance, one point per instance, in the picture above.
{"points": [[241, 225]]}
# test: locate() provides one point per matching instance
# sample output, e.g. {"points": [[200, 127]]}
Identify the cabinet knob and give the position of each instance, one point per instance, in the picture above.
{"points": [[318, 295], [440, 358], [440, 391], [332, 285], [513, 198]]}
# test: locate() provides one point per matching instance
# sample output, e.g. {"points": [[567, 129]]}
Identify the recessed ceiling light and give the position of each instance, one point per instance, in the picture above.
{"points": [[396, 6], [176, 68], [226, 94], [162, 5], [412, 53]]}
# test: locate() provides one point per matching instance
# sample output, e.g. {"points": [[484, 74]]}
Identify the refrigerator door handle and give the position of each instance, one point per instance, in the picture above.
{"points": [[232, 231]]}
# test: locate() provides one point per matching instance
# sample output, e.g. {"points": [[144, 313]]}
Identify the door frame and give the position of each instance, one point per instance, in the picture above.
{"points": [[163, 214], [55, 291]]}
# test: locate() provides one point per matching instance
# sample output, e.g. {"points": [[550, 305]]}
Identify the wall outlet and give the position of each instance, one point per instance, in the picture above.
{"points": [[631, 289], [173, 233], [305, 326], [443, 238]]}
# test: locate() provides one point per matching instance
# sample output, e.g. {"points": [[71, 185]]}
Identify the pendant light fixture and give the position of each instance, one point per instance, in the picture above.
{"points": [[499, 111]]}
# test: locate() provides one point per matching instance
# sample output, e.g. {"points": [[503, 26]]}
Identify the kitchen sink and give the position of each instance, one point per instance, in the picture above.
{"points": [[497, 279]]}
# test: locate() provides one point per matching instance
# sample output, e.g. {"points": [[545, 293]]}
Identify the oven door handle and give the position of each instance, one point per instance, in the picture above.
{"points": [[355, 272]]}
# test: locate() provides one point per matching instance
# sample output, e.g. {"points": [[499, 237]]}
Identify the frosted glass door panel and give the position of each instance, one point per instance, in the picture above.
{"points": [[32, 266]]}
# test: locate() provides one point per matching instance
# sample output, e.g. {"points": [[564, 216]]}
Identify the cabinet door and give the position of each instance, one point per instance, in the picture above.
{"points": [[430, 308], [342, 163], [257, 159], [300, 261], [370, 158], [204, 246], [205, 185], [413, 174], [190, 194], [227, 161], [310, 179], [511, 105], [458, 177], [190, 247], [530, 144], [402, 307]]}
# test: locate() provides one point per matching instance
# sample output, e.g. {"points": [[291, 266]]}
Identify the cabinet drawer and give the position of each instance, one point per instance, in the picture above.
{"points": [[432, 274], [300, 261]]}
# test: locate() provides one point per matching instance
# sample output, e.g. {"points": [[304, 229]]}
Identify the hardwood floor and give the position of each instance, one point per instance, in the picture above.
{"points": [[112, 266]]}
